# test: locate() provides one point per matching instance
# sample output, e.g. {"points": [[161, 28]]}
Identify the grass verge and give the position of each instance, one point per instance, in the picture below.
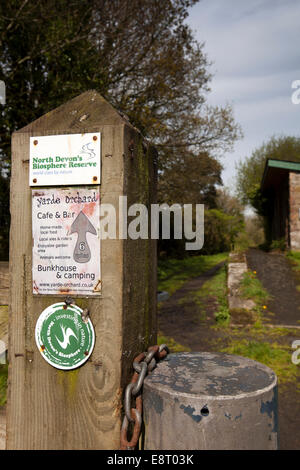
{"points": [[251, 288], [215, 288], [294, 258], [173, 346], [273, 355]]}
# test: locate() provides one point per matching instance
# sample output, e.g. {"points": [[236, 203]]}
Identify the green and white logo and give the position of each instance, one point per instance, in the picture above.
{"points": [[63, 338]]}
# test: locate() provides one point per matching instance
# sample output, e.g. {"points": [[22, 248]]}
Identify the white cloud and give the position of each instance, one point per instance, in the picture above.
{"points": [[243, 44], [255, 49]]}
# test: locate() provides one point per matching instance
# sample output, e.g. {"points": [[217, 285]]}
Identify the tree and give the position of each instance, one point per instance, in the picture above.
{"points": [[254, 230], [139, 54], [232, 215], [250, 170], [220, 231], [229, 204], [191, 179]]}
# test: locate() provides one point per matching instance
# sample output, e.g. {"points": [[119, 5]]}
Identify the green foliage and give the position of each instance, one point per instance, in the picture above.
{"points": [[173, 346], [191, 180], [218, 286], [222, 316], [142, 57], [215, 288], [220, 231], [294, 256], [242, 241], [251, 288], [273, 245], [222, 224], [278, 245], [251, 235]]}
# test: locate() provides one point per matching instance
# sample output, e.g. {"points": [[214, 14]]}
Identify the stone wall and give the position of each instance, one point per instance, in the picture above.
{"points": [[294, 183], [237, 267]]}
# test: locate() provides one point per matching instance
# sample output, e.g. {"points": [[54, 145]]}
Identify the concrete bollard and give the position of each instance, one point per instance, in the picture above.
{"points": [[210, 401]]}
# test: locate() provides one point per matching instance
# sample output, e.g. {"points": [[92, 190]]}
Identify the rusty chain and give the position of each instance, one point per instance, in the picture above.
{"points": [[144, 363]]}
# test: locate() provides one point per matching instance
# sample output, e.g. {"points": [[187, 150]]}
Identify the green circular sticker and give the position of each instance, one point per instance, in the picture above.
{"points": [[63, 338]]}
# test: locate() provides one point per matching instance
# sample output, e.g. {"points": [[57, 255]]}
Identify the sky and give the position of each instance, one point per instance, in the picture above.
{"points": [[255, 49]]}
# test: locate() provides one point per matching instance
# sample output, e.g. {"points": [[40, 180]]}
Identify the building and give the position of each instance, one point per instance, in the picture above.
{"points": [[280, 188]]}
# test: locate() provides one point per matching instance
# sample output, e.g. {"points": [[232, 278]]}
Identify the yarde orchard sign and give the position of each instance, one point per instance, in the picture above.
{"points": [[66, 241]]}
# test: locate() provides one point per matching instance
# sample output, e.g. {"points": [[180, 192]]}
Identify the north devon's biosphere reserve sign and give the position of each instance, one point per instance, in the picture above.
{"points": [[68, 159], [66, 241], [63, 337]]}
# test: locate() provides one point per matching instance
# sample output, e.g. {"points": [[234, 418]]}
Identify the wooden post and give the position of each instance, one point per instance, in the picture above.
{"points": [[49, 408], [4, 283]]}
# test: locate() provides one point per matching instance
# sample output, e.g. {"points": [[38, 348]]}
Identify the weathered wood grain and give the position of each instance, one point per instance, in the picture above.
{"points": [[3, 326], [79, 409], [2, 428]]}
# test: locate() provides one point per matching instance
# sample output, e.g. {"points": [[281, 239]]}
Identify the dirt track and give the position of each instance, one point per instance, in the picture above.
{"points": [[179, 315]]}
